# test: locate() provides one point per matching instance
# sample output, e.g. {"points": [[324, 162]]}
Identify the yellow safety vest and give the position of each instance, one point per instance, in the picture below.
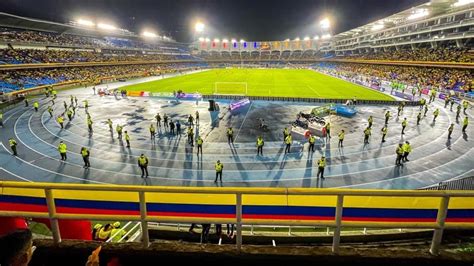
{"points": [[219, 167], [259, 142], [328, 126], [465, 122], [118, 232], [404, 123], [312, 139], [367, 132], [322, 163], [152, 129], [199, 141], [36, 104], [341, 136], [371, 119], [127, 137], [119, 129], [142, 160], [288, 139], [85, 153], [62, 148], [60, 120], [89, 121], [451, 128], [387, 114], [406, 147], [12, 142], [103, 235], [384, 130], [285, 132], [190, 131], [399, 150], [436, 112], [230, 132], [465, 104], [1, 116]]}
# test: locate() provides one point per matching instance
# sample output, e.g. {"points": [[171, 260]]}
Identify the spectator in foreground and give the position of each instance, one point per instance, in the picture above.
{"points": [[16, 248]]}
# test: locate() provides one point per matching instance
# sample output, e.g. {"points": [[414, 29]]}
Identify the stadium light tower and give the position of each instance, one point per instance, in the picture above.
{"points": [[149, 34], [85, 22], [105, 26], [199, 26], [325, 24], [306, 38]]}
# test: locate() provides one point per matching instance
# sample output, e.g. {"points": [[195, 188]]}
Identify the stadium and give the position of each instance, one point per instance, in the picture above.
{"points": [[339, 146]]}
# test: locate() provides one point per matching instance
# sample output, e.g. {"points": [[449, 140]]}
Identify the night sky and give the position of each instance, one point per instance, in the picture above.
{"points": [[240, 19]]}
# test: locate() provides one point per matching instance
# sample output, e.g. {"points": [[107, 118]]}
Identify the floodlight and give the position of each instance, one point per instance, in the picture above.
{"points": [[207, 40], [287, 40], [242, 40], [306, 38], [216, 40], [377, 27], [418, 14], [316, 37], [85, 22], [297, 39], [201, 39], [199, 27], [106, 26], [149, 34], [326, 36], [324, 23], [225, 40], [233, 41]]}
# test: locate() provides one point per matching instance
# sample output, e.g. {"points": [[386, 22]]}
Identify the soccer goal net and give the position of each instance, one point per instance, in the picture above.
{"points": [[230, 88]]}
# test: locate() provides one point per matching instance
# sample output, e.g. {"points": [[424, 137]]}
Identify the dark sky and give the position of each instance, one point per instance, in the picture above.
{"points": [[247, 19]]}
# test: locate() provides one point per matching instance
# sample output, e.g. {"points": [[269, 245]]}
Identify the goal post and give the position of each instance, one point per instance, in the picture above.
{"points": [[231, 88]]}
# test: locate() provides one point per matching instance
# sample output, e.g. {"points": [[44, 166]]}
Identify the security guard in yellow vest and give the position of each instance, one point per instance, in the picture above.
{"points": [[418, 118], [152, 132], [435, 114], [13, 144], [85, 156], [404, 125], [341, 138], [400, 153], [328, 130], [86, 104], [450, 130], [36, 106], [119, 131], [288, 141], [50, 111], [384, 131], [458, 112], [230, 135], [465, 105], [406, 151], [104, 233], [197, 118], [311, 140], [26, 102], [464, 124], [199, 142], [127, 139], [110, 123], [387, 116], [367, 134], [61, 121], [158, 120], [1, 119], [69, 114], [286, 132], [143, 164], [260, 144], [62, 148], [89, 124], [371, 121], [190, 136], [219, 167], [426, 111], [321, 165], [446, 101], [117, 232]]}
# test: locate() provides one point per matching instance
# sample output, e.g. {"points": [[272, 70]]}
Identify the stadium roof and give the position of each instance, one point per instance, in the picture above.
{"points": [[433, 9]]}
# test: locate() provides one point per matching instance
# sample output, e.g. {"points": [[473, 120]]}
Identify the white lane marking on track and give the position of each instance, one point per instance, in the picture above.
{"points": [[13, 174], [243, 122]]}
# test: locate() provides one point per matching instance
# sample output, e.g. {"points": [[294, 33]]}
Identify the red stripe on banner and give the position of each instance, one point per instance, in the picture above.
{"points": [[70, 210], [388, 219], [287, 217], [460, 220], [21, 207], [188, 214]]}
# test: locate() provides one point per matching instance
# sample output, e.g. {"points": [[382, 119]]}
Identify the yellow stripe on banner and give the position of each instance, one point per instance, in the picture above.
{"points": [[96, 195], [27, 192], [267, 200], [190, 198], [312, 201], [461, 203], [391, 202]]}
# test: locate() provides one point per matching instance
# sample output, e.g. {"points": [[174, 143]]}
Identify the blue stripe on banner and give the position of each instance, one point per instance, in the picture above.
{"points": [[466, 213], [191, 208], [94, 204], [22, 199], [385, 213], [289, 210]]}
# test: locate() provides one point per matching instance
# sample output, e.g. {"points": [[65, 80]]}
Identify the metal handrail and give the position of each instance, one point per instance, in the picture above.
{"points": [[338, 223]]}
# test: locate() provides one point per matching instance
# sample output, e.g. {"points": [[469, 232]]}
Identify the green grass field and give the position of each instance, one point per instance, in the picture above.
{"points": [[263, 82]]}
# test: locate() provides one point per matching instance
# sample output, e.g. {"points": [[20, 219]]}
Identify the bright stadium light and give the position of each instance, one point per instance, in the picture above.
{"points": [[377, 27], [297, 39], [418, 14], [199, 27], [85, 22], [306, 38], [201, 39], [105, 26], [287, 40], [326, 36], [242, 40], [324, 23], [225, 40], [216, 40], [233, 41], [207, 40], [149, 34], [316, 37], [462, 3]]}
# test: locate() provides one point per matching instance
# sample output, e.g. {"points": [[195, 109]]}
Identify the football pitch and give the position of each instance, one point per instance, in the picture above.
{"points": [[302, 83]]}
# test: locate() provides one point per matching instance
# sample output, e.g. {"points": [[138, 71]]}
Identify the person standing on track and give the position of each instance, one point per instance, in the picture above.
{"points": [[165, 121], [435, 114], [50, 111], [450, 130], [399, 152], [260, 144], [341, 138], [199, 142], [384, 131], [404, 125], [387, 116], [143, 164], [89, 124], [85, 156], [230, 135], [464, 124], [367, 134], [288, 141], [61, 121], [13, 144], [119, 129], [406, 151], [370, 120], [418, 118], [286, 132], [36, 106], [321, 166], [311, 140], [152, 131], [62, 148], [127, 139], [219, 167], [190, 136], [158, 120], [197, 118], [110, 123]]}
